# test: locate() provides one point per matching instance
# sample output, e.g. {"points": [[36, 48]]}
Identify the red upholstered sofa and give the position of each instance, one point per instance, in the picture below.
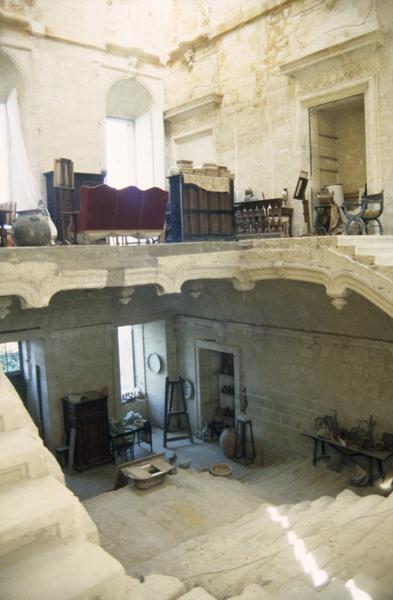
{"points": [[106, 211]]}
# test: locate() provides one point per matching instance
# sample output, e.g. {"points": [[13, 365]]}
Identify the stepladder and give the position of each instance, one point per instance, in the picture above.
{"points": [[176, 407]]}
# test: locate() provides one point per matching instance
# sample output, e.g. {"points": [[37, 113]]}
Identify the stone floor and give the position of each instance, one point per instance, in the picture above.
{"points": [[98, 480]]}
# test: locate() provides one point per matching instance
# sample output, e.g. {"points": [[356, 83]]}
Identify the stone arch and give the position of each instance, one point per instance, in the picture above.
{"points": [[11, 77], [127, 98]]}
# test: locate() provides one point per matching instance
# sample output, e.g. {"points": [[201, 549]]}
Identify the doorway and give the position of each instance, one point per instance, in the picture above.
{"points": [[338, 146], [218, 386]]}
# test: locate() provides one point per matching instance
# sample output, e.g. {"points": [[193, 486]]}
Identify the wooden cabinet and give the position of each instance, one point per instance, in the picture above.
{"points": [[89, 417], [196, 214]]}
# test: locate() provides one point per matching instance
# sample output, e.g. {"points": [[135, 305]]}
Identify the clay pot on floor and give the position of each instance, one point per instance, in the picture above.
{"points": [[32, 228], [227, 442]]}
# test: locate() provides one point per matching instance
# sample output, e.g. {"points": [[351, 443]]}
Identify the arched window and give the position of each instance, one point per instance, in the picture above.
{"points": [[129, 136]]}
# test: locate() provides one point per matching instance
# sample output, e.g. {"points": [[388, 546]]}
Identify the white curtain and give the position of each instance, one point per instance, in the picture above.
{"points": [[23, 188]]}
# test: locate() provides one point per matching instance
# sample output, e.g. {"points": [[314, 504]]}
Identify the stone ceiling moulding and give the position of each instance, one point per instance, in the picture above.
{"points": [[371, 40], [187, 109]]}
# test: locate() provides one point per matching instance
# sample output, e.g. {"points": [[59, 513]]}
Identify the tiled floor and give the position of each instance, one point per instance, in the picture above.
{"points": [[202, 455]]}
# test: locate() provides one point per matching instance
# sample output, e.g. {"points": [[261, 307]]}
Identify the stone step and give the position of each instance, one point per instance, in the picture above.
{"points": [[154, 587], [385, 260], [273, 471], [39, 509], [197, 593], [61, 570], [335, 514], [363, 240], [22, 455], [12, 412], [298, 589], [254, 592], [374, 249], [231, 486], [304, 481]]}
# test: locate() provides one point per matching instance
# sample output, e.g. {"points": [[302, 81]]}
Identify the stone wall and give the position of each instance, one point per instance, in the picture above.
{"points": [[271, 62], [65, 56], [293, 377], [268, 63]]}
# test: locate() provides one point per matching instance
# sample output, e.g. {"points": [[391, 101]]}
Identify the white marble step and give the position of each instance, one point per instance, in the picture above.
{"points": [[21, 455], [61, 570], [39, 509]]}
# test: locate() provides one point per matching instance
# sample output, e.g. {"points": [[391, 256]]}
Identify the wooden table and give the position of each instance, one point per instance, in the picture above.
{"points": [[372, 456], [125, 437]]}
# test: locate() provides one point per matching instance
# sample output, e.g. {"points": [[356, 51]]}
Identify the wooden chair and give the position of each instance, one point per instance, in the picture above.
{"points": [[369, 209], [123, 445]]}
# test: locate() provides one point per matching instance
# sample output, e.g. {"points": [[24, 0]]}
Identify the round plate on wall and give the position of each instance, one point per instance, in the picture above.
{"points": [[188, 388], [154, 362]]}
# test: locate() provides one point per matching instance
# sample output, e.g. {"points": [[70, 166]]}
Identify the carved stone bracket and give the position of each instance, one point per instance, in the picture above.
{"points": [[196, 288], [339, 299], [126, 294], [189, 57], [243, 285], [132, 65]]}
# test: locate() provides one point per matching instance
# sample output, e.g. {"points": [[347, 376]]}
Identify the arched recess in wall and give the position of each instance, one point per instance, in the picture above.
{"points": [[11, 77], [132, 139]]}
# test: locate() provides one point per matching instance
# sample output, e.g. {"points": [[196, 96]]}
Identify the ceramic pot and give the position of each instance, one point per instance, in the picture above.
{"points": [[32, 228], [227, 442]]}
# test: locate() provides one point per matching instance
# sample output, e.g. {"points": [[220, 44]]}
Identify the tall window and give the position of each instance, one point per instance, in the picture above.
{"points": [[10, 358], [126, 359], [129, 152], [129, 135]]}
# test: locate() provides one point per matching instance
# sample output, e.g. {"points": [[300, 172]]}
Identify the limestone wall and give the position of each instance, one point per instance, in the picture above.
{"points": [[68, 55], [293, 377], [266, 62], [271, 62]]}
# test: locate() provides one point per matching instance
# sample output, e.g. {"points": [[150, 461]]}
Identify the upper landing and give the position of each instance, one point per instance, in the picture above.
{"points": [[341, 264]]}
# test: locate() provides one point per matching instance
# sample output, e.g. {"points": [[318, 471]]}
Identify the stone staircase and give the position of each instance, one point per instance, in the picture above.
{"points": [[229, 544], [319, 549], [49, 547], [373, 250]]}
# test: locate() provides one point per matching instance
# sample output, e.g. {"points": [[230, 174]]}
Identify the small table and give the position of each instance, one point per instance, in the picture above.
{"points": [[125, 438], [372, 455]]}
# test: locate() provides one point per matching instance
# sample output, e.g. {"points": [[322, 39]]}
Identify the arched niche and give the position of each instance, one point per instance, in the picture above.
{"points": [[134, 136], [128, 99], [10, 78]]}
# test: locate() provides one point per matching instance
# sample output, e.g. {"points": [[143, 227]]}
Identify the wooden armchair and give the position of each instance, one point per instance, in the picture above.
{"points": [[369, 209]]}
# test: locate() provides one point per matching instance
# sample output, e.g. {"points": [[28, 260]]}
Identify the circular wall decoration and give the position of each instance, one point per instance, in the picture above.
{"points": [[154, 362], [188, 388]]}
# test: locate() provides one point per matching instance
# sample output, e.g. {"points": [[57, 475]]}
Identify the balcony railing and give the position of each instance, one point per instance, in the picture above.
{"points": [[263, 218]]}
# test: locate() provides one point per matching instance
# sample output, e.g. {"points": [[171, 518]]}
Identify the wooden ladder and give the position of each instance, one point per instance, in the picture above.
{"points": [[170, 387]]}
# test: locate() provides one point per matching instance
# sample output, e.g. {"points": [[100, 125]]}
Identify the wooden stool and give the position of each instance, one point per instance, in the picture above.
{"points": [[242, 421]]}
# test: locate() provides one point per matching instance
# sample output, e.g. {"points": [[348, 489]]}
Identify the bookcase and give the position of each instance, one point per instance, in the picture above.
{"points": [[195, 214]]}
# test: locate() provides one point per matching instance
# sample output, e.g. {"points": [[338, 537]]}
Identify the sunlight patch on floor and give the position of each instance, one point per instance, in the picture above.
{"points": [[319, 577], [356, 593]]}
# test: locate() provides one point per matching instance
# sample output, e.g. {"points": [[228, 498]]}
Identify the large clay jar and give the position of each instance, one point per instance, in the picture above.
{"points": [[31, 228], [227, 442]]}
